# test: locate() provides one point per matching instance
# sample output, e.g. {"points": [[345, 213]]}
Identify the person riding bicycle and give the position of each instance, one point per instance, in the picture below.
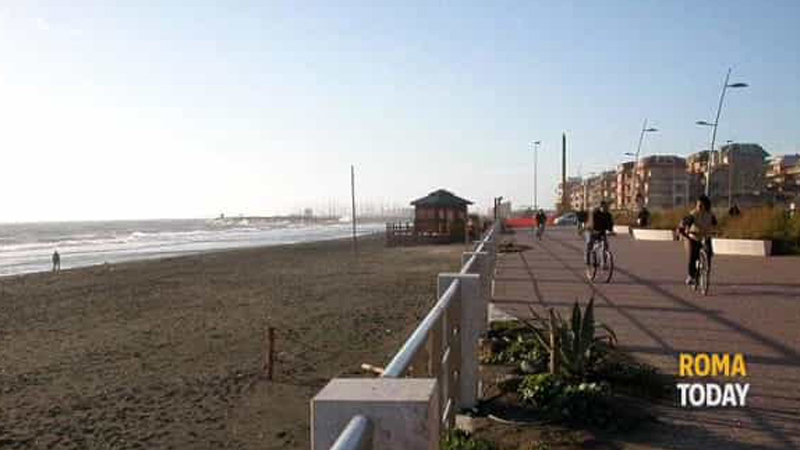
{"points": [[581, 216], [541, 220], [696, 228], [600, 222]]}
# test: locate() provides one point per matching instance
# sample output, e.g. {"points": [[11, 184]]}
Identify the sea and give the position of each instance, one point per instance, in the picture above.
{"points": [[28, 247]]}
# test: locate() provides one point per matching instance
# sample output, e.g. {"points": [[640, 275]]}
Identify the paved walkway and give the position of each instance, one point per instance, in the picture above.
{"points": [[753, 308]]}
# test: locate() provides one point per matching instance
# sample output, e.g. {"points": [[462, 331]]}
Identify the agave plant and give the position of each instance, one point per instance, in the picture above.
{"points": [[573, 345]]}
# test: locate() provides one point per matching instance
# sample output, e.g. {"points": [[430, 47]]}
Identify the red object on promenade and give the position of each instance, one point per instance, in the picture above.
{"points": [[520, 222]]}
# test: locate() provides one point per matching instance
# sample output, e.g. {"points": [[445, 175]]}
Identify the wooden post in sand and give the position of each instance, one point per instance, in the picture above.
{"points": [[270, 356]]}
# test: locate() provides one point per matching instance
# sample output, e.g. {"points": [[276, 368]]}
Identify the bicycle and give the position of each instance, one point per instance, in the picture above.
{"points": [[703, 265], [600, 258]]}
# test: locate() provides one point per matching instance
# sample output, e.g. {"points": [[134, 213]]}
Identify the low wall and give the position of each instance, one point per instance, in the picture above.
{"points": [[643, 234], [622, 229], [749, 247]]}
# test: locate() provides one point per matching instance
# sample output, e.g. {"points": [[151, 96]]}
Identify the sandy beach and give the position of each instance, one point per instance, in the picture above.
{"points": [[168, 354]]}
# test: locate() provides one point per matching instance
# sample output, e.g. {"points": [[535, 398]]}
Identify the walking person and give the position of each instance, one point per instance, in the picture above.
{"points": [[56, 262], [643, 218], [541, 221]]}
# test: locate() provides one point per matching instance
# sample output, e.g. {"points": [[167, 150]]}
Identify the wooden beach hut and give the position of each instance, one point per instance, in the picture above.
{"points": [[439, 218]]}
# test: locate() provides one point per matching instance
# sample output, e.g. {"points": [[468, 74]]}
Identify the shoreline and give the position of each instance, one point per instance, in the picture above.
{"points": [[167, 255]]}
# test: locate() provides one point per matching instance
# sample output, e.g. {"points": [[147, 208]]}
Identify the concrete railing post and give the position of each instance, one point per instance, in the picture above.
{"points": [[403, 412], [482, 267], [471, 323]]}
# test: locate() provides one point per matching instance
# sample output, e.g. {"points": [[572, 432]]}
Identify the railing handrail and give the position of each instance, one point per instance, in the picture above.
{"points": [[468, 265], [402, 359], [405, 355], [355, 435]]}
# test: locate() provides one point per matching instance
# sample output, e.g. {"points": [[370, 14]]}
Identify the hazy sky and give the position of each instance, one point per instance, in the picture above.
{"points": [[190, 108]]}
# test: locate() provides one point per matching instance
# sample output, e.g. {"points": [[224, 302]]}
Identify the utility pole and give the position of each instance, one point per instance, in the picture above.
{"points": [[353, 198], [564, 194]]}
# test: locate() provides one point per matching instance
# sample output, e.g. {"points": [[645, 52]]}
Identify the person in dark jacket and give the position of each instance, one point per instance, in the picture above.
{"points": [[541, 221], [56, 262], [600, 224], [582, 217], [643, 218]]}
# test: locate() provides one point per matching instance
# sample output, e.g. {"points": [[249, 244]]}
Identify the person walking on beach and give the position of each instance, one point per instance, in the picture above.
{"points": [[56, 262]]}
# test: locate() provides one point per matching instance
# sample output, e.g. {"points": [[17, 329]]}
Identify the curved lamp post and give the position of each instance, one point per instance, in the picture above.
{"points": [[714, 124], [635, 187]]}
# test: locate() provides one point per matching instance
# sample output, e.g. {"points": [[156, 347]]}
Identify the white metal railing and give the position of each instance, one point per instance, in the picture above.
{"points": [[355, 436], [444, 345]]}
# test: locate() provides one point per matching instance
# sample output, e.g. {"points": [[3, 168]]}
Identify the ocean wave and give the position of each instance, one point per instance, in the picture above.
{"points": [[87, 248]]}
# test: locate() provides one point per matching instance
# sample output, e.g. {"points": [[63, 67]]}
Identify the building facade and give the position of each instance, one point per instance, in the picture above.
{"points": [[782, 177], [574, 193], [740, 175], [624, 197], [662, 181]]}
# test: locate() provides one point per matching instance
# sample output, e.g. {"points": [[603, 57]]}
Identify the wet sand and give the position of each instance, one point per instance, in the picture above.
{"points": [[168, 354]]}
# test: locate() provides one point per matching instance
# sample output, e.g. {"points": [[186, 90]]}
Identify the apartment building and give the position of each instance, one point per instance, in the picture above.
{"points": [[662, 181], [669, 181], [782, 176], [602, 186], [624, 198], [574, 193]]}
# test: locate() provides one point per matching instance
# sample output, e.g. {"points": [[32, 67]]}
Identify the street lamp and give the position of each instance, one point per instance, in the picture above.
{"points": [[725, 87], [535, 146], [635, 188]]}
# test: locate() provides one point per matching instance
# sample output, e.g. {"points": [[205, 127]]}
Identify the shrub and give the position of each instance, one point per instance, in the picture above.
{"points": [[541, 389], [565, 401], [462, 440], [761, 223], [623, 217], [667, 219], [635, 378], [514, 343]]}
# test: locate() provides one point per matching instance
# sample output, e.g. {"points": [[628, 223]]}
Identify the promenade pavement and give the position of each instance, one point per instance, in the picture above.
{"points": [[753, 308]]}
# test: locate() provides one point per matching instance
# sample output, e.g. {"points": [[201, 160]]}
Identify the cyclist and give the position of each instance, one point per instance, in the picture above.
{"points": [[600, 223], [581, 216], [541, 220], [696, 228]]}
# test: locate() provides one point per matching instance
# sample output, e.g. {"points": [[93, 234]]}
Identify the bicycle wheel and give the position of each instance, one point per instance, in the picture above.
{"points": [[609, 265], [591, 269], [703, 273]]}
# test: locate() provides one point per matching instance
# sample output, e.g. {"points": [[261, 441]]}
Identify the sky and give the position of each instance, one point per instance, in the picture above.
{"points": [[172, 109]]}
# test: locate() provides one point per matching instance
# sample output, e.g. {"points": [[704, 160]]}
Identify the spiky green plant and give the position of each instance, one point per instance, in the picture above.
{"points": [[576, 345]]}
